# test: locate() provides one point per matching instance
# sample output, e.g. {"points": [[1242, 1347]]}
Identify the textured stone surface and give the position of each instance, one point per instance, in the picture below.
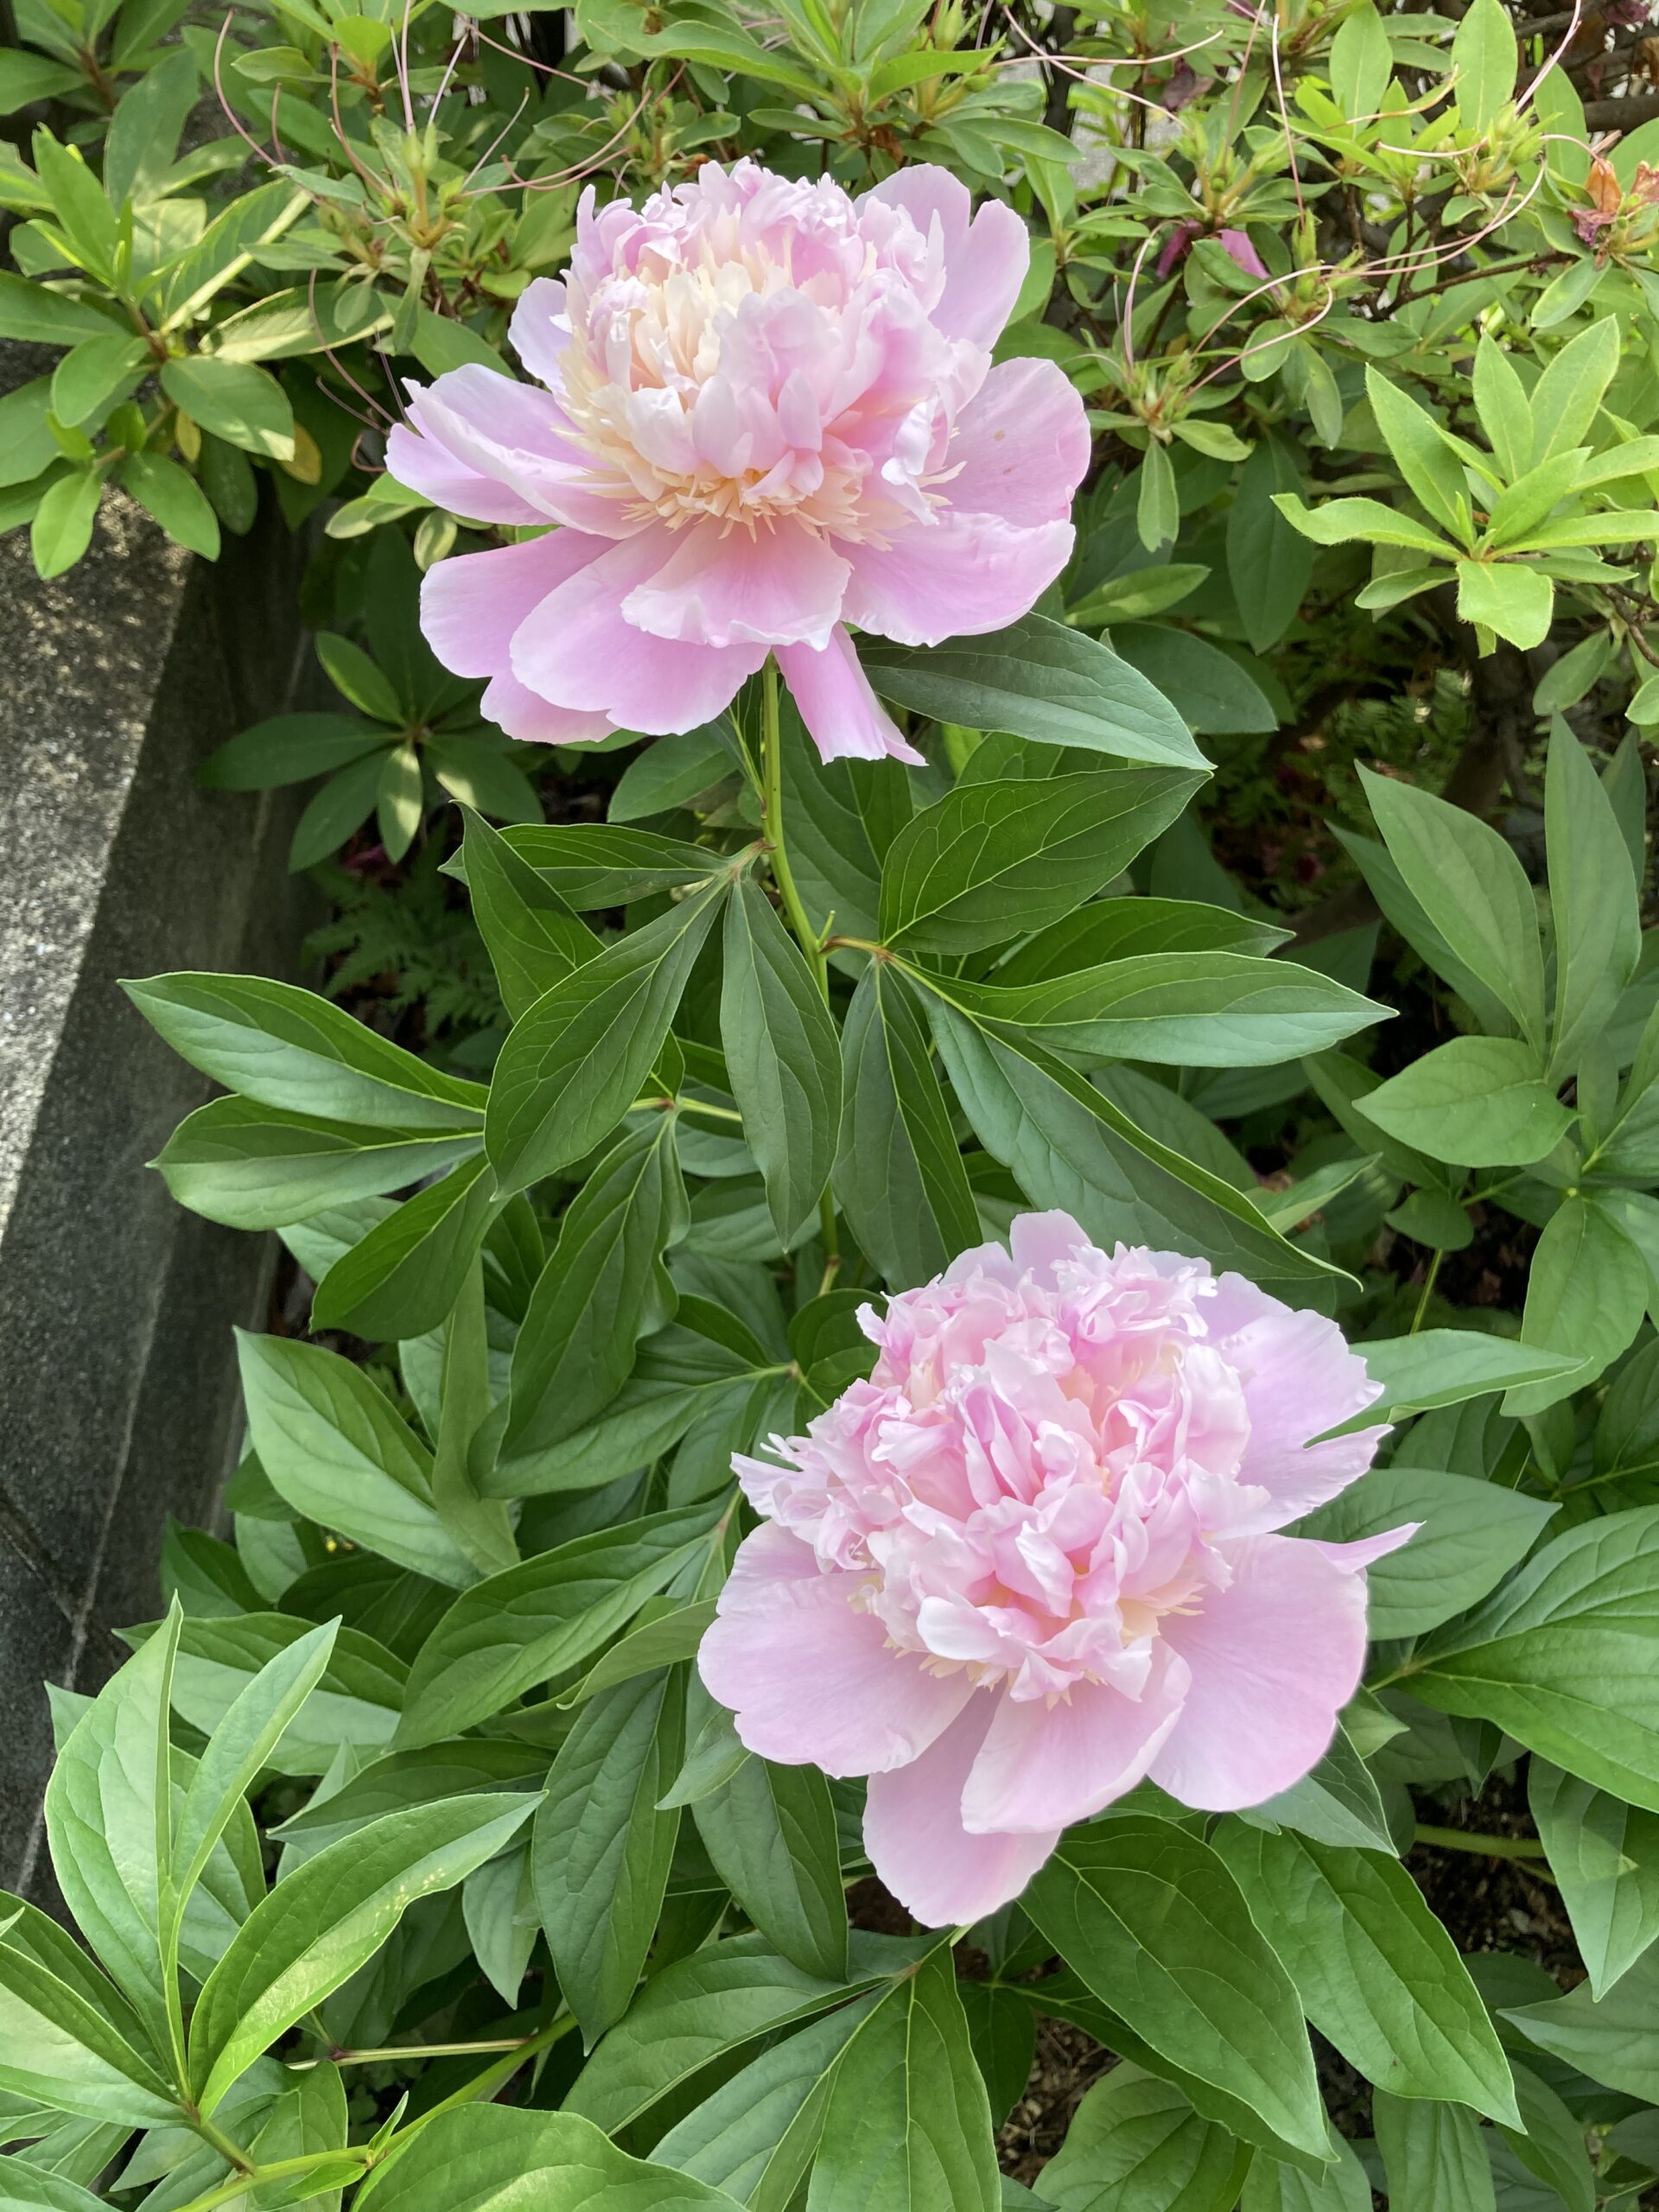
{"points": [[115, 1307]]}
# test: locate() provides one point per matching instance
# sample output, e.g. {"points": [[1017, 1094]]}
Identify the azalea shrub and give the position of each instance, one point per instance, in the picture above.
{"points": [[972, 1370]]}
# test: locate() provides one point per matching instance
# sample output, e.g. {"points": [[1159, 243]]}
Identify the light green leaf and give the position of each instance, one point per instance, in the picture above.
{"points": [[758, 2133], [1068, 1146], [402, 1278], [1592, 896], [68, 2039], [1335, 522], [30, 2188], [355, 1701], [289, 1048], [573, 1064], [1606, 1856], [1515, 600], [327, 1919], [783, 1055], [1471, 1534], [1434, 2154], [1501, 403], [1196, 1009], [1337, 1802], [253, 1166], [488, 2158], [1585, 1296], [1567, 398], [243, 404], [1342, 2187], [603, 1289], [245, 1741], [900, 1178], [592, 865], [533, 938], [602, 1845], [1117, 929], [394, 1781], [1443, 1367], [1468, 881], [1481, 1102], [533, 1621], [1151, 1919], [1135, 2144], [1485, 59], [770, 1833], [907, 2126], [109, 1824], [1560, 1657], [990, 862], [1375, 1971], [726, 1995], [673, 772], [334, 1448], [94, 372], [62, 528], [1040, 680], [1613, 2039], [175, 498], [480, 1526]]}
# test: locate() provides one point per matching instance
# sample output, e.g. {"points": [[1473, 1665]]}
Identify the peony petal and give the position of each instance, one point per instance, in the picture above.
{"points": [[842, 715], [471, 605], [535, 331], [720, 587], [1299, 1378], [514, 435], [424, 465], [1040, 1242], [812, 1681], [537, 721], [918, 1845], [1274, 1658], [1044, 1766], [1364, 1551], [966, 574], [577, 650], [985, 261], [1021, 448]]}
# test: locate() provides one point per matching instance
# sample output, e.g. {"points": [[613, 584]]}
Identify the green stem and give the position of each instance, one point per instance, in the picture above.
{"points": [[279, 2170], [810, 940], [688, 1106], [1429, 1293], [232, 2153], [1484, 1846], [382, 2051]]}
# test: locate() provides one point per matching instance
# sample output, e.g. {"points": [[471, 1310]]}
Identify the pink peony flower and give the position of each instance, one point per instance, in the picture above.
{"points": [[1032, 1561], [770, 412]]}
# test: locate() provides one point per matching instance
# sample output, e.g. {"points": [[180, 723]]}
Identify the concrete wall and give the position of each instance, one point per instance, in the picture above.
{"points": [[117, 1392]]}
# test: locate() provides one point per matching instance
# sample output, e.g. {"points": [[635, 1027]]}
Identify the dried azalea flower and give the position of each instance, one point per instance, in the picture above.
{"points": [[1034, 1560], [769, 413]]}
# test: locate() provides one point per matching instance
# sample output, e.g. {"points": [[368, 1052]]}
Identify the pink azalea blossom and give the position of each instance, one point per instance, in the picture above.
{"points": [[1033, 1561], [766, 411]]}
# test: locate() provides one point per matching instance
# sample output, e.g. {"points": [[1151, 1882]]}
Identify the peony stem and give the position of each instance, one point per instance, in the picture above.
{"points": [[1486, 1847], [810, 941]]}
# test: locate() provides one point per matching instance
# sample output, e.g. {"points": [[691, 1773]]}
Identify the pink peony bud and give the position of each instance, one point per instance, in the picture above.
{"points": [[769, 412], [1032, 1561]]}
